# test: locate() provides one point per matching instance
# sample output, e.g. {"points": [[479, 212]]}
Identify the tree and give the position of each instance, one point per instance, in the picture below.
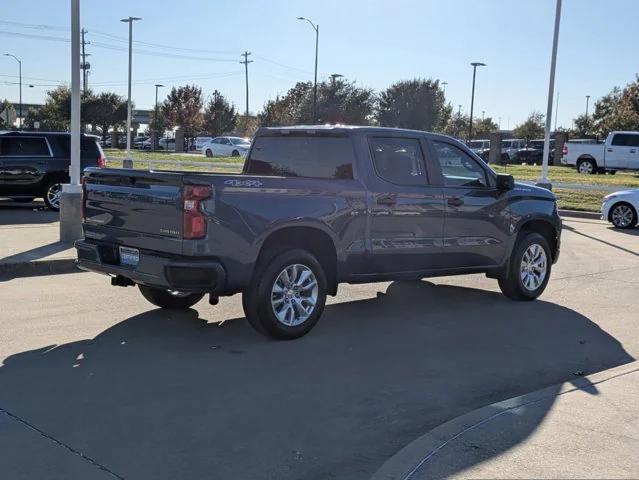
{"points": [[157, 123], [484, 127], [247, 126], [8, 110], [618, 110], [339, 101], [532, 127], [105, 110], [457, 126], [55, 114], [582, 126], [220, 116], [417, 104], [183, 108]]}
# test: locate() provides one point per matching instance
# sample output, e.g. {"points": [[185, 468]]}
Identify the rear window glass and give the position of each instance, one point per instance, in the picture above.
{"points": [[61, 145], [23, 146], [311, 157]]}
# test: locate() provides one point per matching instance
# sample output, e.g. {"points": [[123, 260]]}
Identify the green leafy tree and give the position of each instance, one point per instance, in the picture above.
{"points": [[532, 127], [55, 114], [288, 109], [220, 115], [418, 104], [583, 126], [618, 110], [6, 108], [157, 123], [247, 126], [483, 127], [183, 108], [104, 111], [457, 126]]}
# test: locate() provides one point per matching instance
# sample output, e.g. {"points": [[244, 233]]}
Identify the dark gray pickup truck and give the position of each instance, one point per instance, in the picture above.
{"points": [[312, 208]]}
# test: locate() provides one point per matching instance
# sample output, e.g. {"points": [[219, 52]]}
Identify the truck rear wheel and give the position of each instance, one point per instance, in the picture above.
{"points": [[528, 269], [287, 295], [169, 298], [587, 167]]}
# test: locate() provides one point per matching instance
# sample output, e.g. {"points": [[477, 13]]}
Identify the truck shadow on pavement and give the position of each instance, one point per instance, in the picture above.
{"points": [[166, 395]]}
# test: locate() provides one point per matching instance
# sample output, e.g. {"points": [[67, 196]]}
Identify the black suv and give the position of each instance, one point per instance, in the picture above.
{"points": [[36, 164]]}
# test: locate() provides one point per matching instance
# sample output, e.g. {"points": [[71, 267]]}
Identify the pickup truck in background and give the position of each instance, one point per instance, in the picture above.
{"points": [[620, 151], [312, 208]]}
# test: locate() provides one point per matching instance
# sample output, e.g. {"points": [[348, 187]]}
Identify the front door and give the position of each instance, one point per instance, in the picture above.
{"points": [[474, 234], [623, 151], [406, 212], [22, 163]]}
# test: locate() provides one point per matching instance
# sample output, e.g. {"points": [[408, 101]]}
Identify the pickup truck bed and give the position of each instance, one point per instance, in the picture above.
{"points": [[314, 207]]}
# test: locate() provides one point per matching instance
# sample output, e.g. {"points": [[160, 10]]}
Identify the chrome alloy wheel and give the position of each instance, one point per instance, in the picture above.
{"points": [[53, 195], [622, 216], [294, 295], [533, 268], [586, 167]]}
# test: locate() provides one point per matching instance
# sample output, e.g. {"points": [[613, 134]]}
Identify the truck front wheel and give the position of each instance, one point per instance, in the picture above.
{"points": [[528, 269], [169, 298], [287, 295]]}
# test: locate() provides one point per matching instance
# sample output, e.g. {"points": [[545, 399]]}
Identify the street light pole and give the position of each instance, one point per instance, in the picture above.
{"points": [[472, 99], [20, 84], [556, 110], [157, 85], [543, 180], [444, 89], [316, 28], [128, 161]]}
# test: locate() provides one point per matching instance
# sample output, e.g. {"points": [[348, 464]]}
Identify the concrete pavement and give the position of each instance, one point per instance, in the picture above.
{"points": [[145, 393]]}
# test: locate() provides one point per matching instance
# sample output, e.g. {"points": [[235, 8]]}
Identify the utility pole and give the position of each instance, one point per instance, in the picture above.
{"points": [[245, 62], [20, 83], [85, 66], [483, 113]]}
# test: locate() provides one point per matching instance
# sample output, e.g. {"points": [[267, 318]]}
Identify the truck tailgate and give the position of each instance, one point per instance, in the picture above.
{"points": [[135, 208]]}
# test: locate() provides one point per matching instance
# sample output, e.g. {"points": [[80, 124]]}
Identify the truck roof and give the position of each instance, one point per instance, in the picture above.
{"points": [[338, 129]]}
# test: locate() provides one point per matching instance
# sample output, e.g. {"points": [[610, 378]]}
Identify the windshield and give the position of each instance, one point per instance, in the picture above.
{"points": [[239, 141]]}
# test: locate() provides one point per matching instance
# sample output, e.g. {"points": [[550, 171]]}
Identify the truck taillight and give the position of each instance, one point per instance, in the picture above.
{"points": [[194, 221], [101, 160], [564, 151], [83, 199]]}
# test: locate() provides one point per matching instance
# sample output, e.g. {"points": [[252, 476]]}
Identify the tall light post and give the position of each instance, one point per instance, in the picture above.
{"points": [[157, 85], [444, 89], [587, 101], [543, 180], [316, 28], [483, 115], [335, 76], [128, 161], [556, 110], [20, 77], [472, 99]]}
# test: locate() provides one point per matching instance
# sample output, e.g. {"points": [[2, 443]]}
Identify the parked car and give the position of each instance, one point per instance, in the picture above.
{"points": [[36, 164], [533, 152], [164, 143], [226, 147], [510, 147], [315, 207], [620, 151], [620, 208], [481, 148], [138, 142], [200, 142]]}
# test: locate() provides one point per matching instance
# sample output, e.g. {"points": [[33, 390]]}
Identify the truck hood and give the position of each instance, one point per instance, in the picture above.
{"points": [[532, 190]]}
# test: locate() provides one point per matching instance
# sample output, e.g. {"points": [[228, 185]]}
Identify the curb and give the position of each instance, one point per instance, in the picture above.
{"points": [[9, 271], [579, 214], [405, 463]]}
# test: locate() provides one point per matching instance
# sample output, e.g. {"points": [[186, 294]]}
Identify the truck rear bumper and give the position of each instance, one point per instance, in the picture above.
{"points": [[153, 269]]}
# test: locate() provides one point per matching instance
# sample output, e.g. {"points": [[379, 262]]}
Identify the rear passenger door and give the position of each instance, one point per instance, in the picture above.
{"points": [[474, 228], [406, 210], [23, 162]]}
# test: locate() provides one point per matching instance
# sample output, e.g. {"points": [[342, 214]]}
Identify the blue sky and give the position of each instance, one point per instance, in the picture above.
{"points": [[373, 42]]}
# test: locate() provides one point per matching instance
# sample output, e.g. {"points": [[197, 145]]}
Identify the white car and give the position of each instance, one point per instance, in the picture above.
{"points": [[201, 141], [620, 208], [226, 147]]}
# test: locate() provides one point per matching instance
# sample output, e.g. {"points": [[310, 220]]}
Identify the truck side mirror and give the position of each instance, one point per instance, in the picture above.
{"points": [[505, 181]]}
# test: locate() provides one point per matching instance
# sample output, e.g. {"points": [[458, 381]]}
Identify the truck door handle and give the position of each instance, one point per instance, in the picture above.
{"points": [[633, 150], [455, 202], [610, 149], [386, 200]]}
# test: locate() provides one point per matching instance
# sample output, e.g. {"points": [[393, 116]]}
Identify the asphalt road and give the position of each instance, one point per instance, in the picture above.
{"points": [[96, 383]]}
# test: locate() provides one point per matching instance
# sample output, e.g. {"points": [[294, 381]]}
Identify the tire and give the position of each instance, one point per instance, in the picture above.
{"points": [[209, 153], [51, 194], [612, 172], [623, 215], [235, 153], [521, 282], [168, 299], [23, 199], [274, 313], [587, 167]]}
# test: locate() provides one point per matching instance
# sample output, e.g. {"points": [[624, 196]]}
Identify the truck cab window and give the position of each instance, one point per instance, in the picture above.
{"points": [[458, 168], [399, 160]]}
